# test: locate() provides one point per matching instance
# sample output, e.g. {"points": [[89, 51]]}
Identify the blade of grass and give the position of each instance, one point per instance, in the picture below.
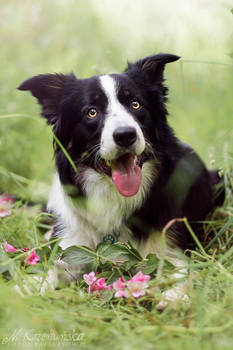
{"points": [[198, 243], [66, 153], [221, 231]]}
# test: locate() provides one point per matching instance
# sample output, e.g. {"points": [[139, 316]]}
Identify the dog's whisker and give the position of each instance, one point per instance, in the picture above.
{"points": [[149, 150], [97, 158], [91, 151]]}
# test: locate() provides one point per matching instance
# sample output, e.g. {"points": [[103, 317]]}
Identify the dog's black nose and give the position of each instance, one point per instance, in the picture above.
{"points": [[125, 136]]}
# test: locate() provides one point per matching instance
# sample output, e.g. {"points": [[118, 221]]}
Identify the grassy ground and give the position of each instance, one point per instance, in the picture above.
{"points": [[60, 36]]}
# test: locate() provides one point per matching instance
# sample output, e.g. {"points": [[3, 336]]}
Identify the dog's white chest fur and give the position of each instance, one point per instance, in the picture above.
{"points": [[103, 212]]}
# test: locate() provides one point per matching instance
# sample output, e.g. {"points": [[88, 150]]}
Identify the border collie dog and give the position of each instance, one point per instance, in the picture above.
{"points": [[133, 175]]}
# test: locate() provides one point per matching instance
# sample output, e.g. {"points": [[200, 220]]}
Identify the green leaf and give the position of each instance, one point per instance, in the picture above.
{"points": [[5, 262], [78, 255], [4, 268], [128, 264], [118, 252], [134, 251], [151, 264], [101, 248]]}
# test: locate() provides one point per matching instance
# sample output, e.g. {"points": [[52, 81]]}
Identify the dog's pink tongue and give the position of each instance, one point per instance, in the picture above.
{"points": [[126, 175]]}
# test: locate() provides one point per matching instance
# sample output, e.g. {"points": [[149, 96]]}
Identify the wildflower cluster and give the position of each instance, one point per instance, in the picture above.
{"points": [[6, 205], [31, 259], [135, 287]]}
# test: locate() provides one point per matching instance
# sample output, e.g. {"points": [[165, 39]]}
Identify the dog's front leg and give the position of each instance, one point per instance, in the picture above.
{"points": [[178, 292], [61, 272]]}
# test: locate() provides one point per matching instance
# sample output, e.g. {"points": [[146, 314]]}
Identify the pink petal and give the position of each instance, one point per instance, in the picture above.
{"points": [[101, 281], [126, 293], [90, 278], [119, 294], [140, 277], [108, 287], [9, 248], [92, 274], [137, 285], [6, 203], [6, 198], [4, 213], [119, 284], [138, 293], [99, 284], [32, 259]]}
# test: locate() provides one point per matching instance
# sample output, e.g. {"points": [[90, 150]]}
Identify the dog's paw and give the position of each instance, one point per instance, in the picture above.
{"points": [[173, 295], [50, 282]]}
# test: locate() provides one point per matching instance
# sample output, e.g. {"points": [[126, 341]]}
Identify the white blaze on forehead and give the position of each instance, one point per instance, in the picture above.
{"points": [[109, 87], [116, 116]]}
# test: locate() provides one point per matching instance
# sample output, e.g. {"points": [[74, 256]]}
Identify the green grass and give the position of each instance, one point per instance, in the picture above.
{"points": [[63, 36]]}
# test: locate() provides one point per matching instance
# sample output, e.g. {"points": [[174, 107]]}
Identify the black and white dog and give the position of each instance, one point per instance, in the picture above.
{"points": [[133, 175]]}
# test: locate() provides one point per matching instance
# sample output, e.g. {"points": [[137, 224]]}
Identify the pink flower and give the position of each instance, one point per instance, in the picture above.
{"points": [[32, 259], [4, 213], [6, 202], [119, 287], [90, 278], [135, 286], [119, 284], [120, 293], [9, 248], [95, 285], [100, 284], [6, 199], [140, 277]]}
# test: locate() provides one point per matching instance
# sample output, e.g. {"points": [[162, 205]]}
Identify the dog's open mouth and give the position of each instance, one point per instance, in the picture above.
{"points": [[126, 173]]}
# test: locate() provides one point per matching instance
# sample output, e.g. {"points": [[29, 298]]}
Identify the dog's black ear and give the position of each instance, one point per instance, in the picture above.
{"points": [[47, 88], [152, 66]]}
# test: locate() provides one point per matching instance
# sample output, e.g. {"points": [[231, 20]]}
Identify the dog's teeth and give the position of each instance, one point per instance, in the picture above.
{"points": [[108, 163]]}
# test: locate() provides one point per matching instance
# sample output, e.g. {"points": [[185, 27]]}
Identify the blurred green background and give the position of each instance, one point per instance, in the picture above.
{"points": [[92, 37]]}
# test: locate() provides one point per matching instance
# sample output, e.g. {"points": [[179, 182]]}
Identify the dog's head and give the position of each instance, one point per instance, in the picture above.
{"points": [[112, 123]]}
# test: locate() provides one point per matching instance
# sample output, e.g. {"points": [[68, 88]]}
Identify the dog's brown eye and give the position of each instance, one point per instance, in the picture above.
{"points": [[92, 113], [135, 104]]}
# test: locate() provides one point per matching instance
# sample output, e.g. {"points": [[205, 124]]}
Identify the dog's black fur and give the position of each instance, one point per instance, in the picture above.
{"points": [[182, 187]]}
